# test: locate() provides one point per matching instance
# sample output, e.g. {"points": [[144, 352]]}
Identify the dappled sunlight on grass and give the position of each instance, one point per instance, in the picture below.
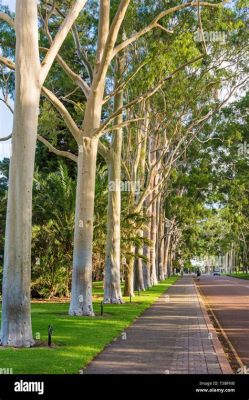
{"points": [[77, 339]]}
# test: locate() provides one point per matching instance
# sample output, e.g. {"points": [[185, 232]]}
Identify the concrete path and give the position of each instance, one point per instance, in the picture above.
{"points": [[171, 337]]}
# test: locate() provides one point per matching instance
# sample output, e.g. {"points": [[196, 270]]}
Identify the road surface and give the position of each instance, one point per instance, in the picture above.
{"points": [[229, 300]]}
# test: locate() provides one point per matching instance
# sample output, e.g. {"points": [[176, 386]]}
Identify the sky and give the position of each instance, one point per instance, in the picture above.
{"points": [[10, 3], [5, 115]]}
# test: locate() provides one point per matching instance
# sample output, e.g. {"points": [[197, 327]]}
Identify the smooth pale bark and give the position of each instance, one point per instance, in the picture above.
{"points": [[157, 245], [138, 174], [60, 37], [146, 264], [129, 273], [161, 260], [81, 299], [81, 295], [172, 256], [112, 288], [160, 241], [153, 237], [147, 248], [81, 292], [139, 277], [153, 231], [139, 272], [166, 254], [170, 259], [30, 75], [16, 318]]}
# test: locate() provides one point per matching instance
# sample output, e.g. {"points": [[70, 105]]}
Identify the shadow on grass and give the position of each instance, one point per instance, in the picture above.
{"points": [[76, 340]]}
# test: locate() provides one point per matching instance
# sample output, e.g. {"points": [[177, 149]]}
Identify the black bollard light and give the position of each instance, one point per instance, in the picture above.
{"points": [[101, 308], [50, 332]]}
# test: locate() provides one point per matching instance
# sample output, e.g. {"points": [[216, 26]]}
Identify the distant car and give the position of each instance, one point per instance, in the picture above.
{"points": [[216, 272]]}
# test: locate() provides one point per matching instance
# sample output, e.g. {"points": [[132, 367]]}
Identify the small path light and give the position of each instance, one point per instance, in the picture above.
{"points": [[50, 332], [101, 308]]}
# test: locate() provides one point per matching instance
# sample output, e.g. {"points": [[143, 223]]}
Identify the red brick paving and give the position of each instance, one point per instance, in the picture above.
{"points": [[171, 337]]}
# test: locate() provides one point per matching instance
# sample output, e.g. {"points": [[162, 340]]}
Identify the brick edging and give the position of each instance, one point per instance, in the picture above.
{"points": [[223, 361]]}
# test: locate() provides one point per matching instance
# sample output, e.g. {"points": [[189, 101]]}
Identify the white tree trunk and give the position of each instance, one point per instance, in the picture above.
{"points": [[172, 268], [139, 267], [166, 255], [153, 238], [146, 264], [112, 289], [153, 231], [147, 248], [161, 259], [81, 294], [129, 273], [16, 319], [161, 240]]}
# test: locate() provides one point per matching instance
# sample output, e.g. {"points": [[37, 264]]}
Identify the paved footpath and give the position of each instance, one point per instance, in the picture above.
{"points": [[171, 337]]}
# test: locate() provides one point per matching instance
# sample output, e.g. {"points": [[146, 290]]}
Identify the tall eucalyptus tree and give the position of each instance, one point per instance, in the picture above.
{"points": [[30, 75]]}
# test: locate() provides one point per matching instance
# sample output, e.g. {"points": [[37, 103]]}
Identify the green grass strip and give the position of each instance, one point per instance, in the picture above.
{"points": [[77, 340], [240, 275]]}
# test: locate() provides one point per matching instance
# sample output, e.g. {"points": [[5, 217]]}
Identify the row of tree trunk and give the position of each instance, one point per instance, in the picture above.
{"points": [[30, 75]]}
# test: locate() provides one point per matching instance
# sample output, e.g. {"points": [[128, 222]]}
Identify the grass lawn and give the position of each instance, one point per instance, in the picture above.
{"points": [[239, 275], [77, 339]]}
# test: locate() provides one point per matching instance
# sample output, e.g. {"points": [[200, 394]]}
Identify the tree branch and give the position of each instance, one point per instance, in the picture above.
{"points": [[63, 112], [60, 37], [75, 77], [81, 52], [72, 102], [121, 125], [164, 29], [60, 153], [154, 23], [103, 29], [99, 132], [124, 83], [7, 105], [56, 103], [103, 151], [200, 27], [174, 156], [6, 18], [5, 138], [8, 63], [110, 42], [51, 148]]}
